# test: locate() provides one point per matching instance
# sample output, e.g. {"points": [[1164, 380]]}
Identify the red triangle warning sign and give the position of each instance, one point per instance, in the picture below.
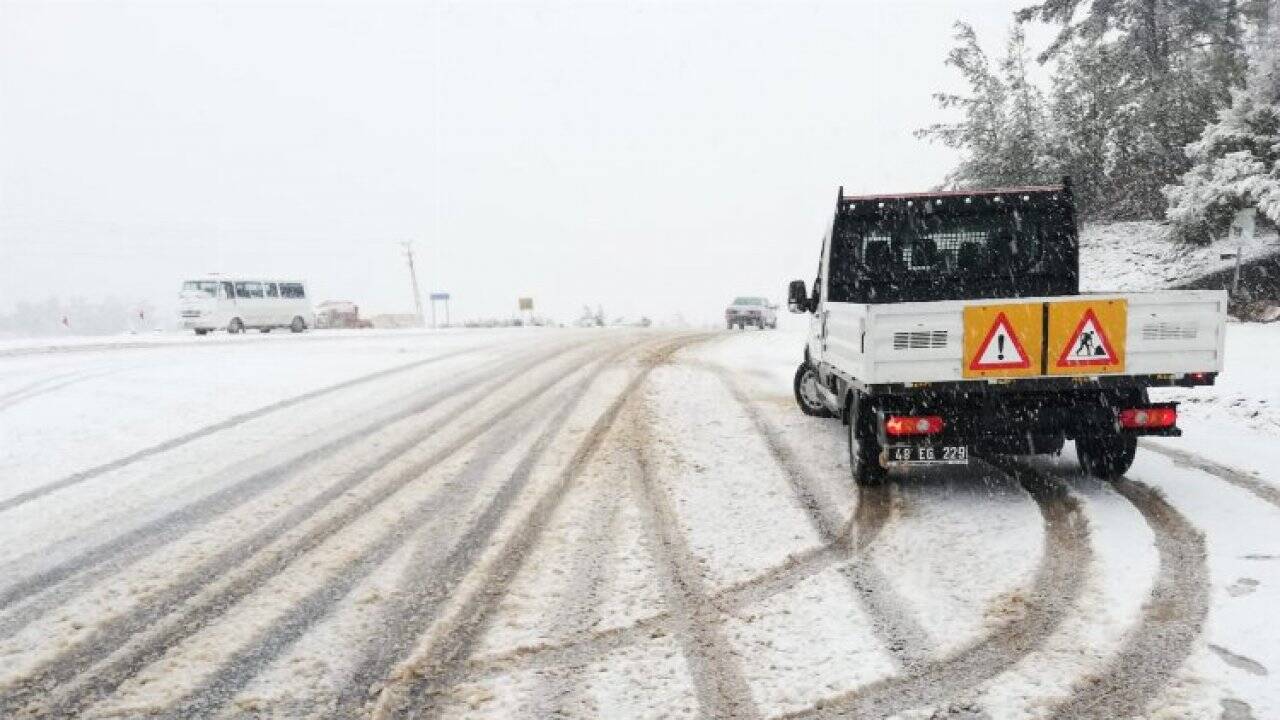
{"points": [[1001, 349], [1089, 344]]}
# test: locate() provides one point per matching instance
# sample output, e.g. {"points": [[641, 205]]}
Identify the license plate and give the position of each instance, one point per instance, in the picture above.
{"points": [[929, 455]]}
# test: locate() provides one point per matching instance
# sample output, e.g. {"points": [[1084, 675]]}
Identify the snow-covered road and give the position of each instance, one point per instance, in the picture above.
{"points": [[597, 523]]}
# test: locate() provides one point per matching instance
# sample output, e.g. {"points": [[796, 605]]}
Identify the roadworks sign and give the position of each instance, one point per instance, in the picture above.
{"points": [[1002, 340], [1087, 337]]}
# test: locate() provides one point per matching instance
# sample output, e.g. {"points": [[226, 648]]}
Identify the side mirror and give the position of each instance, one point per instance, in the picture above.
{"points": [[797, 297]]}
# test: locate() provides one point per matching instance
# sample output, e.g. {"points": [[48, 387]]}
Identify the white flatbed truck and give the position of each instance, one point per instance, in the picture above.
{"points": [[951, 324]]}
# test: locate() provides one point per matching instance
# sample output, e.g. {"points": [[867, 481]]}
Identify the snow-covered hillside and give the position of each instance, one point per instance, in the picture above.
{"points": [[1139, 256]]}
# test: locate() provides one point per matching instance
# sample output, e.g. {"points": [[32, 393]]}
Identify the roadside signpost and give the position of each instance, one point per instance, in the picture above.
{"points": [[1242, 226], [439, 296]]}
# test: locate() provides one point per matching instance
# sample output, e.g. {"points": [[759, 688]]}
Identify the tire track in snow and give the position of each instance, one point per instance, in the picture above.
{"points": [[1172, 619], [1263, 490], [721, 688], [434, 568], [892, 622], [40, 388], [417, 686], [35, 385], [1055, 590], [70, 672], [870, 515], [114, 555], [172, 443], [558, 692]]}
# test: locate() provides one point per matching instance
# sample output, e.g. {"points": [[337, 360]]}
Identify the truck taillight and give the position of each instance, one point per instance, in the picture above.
{"points": [[1142, 418], [900, 425]]}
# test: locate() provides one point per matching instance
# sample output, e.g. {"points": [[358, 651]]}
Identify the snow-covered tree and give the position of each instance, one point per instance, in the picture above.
{"points": [[1237, 159], [1148, 76], [1002, 133]]}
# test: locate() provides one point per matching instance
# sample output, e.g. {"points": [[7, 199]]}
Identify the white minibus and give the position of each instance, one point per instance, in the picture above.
{"points": [[238, 304]]}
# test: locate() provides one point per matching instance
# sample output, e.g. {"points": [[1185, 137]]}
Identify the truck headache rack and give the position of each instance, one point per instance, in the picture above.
{"points": [[1009, 191]]}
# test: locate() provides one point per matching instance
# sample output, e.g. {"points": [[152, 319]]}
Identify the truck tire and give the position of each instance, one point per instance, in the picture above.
{"points": [[236, 326], [1106, 457], [298, 325], [864, 444], [806, 389]]}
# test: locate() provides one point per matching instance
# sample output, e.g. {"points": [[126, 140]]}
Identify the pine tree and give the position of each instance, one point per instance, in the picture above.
{"points": [[1003, 133], [1146, 76], [1236, 159]]}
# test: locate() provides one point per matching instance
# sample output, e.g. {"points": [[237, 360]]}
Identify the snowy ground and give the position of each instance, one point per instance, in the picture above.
{"points": [[1138, 256], [600, 523]]}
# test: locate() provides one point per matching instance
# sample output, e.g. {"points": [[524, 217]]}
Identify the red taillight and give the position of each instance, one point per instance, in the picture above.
{"points": [[1148, 418], [899, 425]]}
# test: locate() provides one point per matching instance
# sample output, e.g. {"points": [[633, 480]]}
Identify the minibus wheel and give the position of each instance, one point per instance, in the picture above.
{"points": [[298, 325], [236, 326]]}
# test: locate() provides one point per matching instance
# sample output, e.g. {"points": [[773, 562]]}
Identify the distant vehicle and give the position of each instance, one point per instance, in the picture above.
{"points": [[755, 311], [340, 314], [238, 304], [949, 324]]}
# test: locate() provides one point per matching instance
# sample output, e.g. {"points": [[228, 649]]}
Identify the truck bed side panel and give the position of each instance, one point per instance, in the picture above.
{"points": [[846, 323], [1177, 331]]}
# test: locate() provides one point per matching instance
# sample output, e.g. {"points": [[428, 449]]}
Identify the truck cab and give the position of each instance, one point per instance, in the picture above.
{"points": [[947, 324]]}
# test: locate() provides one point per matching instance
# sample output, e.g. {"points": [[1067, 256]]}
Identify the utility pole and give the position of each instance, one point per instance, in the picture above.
{"points": [[413, 276]]}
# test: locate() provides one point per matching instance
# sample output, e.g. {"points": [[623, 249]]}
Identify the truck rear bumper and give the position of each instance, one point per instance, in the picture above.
{"points": [[1020, 423]]}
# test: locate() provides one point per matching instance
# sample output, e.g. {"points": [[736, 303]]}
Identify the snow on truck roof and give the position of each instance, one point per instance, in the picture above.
{"points": [[952, 193], [262, 277]]}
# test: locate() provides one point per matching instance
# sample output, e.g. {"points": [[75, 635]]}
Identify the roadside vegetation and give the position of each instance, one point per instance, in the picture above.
{"points": [[1155, 108]]}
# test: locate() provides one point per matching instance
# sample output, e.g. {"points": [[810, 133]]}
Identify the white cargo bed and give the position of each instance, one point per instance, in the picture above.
{"points": [[1168, 332]]}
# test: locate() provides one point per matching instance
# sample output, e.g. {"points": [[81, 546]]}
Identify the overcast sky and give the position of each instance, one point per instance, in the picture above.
{"points": [[653, 158]]}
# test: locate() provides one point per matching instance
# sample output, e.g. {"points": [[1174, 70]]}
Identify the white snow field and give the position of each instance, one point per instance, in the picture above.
{"points": [[532, 523]]}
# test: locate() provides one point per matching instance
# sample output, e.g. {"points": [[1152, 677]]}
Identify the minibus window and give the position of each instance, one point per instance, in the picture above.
{"points": [[248, 290], [272, 291]]}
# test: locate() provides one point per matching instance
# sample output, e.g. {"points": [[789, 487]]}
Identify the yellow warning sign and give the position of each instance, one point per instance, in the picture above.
{"points": [[1002, 340], [1086, 337]]}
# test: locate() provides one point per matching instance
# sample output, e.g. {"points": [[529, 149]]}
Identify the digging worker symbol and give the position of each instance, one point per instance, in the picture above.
{"points": [[1086, 344]]}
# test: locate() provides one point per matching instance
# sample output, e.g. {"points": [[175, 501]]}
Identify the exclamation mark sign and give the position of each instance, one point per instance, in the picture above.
{"points": [[1000, 346]]}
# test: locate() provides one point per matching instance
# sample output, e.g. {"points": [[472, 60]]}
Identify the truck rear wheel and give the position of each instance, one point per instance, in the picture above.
{"points": [[1106, 457], [864, 444], [807, 395]]}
